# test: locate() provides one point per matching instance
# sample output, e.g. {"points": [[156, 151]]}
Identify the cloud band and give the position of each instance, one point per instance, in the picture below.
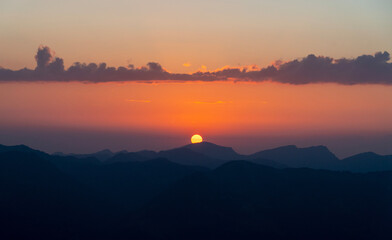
{"points": [[365, 69]]}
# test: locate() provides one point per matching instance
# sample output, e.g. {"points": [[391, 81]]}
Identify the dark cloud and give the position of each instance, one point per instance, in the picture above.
{"points": [[44, 57], [365, 69], [312, 69], [56, 67]]}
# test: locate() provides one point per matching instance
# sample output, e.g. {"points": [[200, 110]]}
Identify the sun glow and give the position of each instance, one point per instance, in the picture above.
{"points": [[196, 138]]}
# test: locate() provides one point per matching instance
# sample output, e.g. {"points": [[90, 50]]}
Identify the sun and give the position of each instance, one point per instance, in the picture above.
{"points": [[196, 138]]}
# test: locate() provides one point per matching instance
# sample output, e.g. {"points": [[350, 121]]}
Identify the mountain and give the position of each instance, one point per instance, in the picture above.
{"points": [[268, 163], [19, 148], [210, 155], [204, 154], [54, 197], [215, 151], [126, 157], [187, 156], [62, 162], [201, 154], [130, 184], [63, 197], [102, 155], [243, 200], [37, 199], [367, 162], [148, 154], [318, 157]]}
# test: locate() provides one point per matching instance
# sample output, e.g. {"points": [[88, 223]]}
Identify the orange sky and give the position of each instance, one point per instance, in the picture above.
{"points": [[79, 117], [210, 108]]}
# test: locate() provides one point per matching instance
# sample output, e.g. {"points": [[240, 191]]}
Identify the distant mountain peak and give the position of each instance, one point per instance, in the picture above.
{"points": [[205, 143], [292, 156], [369, 154], [19, 148], [321, 147], [291, 146], [104, 151], [208, 146], [363, 156], [215, 151]]}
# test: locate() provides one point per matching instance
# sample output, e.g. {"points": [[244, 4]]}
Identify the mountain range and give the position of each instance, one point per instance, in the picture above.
{"points": [[210, 155], [198, 191]]}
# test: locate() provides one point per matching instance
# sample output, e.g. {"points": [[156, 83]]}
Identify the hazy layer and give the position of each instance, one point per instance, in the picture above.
{"points": [[246, 116]]}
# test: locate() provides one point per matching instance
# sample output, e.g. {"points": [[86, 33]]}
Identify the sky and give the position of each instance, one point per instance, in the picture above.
{"points": [[247, 74]]}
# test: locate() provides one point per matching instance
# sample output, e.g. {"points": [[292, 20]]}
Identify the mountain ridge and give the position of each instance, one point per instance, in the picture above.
{"points": [[211, 155], [64, 197]]}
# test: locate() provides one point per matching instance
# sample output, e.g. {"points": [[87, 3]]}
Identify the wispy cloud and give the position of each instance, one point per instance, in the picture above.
{"points": [[187, 64], [365, 69]]}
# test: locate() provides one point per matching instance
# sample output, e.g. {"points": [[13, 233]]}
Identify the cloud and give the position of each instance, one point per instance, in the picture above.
{"points": [[365, 69], [187, 64], [44, 57]]}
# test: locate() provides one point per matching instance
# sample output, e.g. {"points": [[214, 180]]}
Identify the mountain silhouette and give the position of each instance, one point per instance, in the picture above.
{"points": [[200, 154], [20, 148], [102, 155], [367, 162], [313, 157], [226, 154], [39, 200], [210, 155], [268, 162], [64, 197], [148, 154], [215, 151], [126, 157], [130, 184], [184, 155], [243, 200], [55, 197]]}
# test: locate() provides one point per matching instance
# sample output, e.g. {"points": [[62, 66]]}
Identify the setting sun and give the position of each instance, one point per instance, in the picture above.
{"points": [[196, 138]]}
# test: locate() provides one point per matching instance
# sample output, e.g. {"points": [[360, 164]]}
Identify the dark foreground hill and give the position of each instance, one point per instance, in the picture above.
{"points": [[55, 197], [131, 184], [367, 162], [65, 197], [39, 200], [242, 200]]}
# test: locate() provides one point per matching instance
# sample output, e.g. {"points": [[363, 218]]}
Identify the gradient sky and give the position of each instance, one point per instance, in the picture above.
{"points": [[173, 32], [186, 36]]}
